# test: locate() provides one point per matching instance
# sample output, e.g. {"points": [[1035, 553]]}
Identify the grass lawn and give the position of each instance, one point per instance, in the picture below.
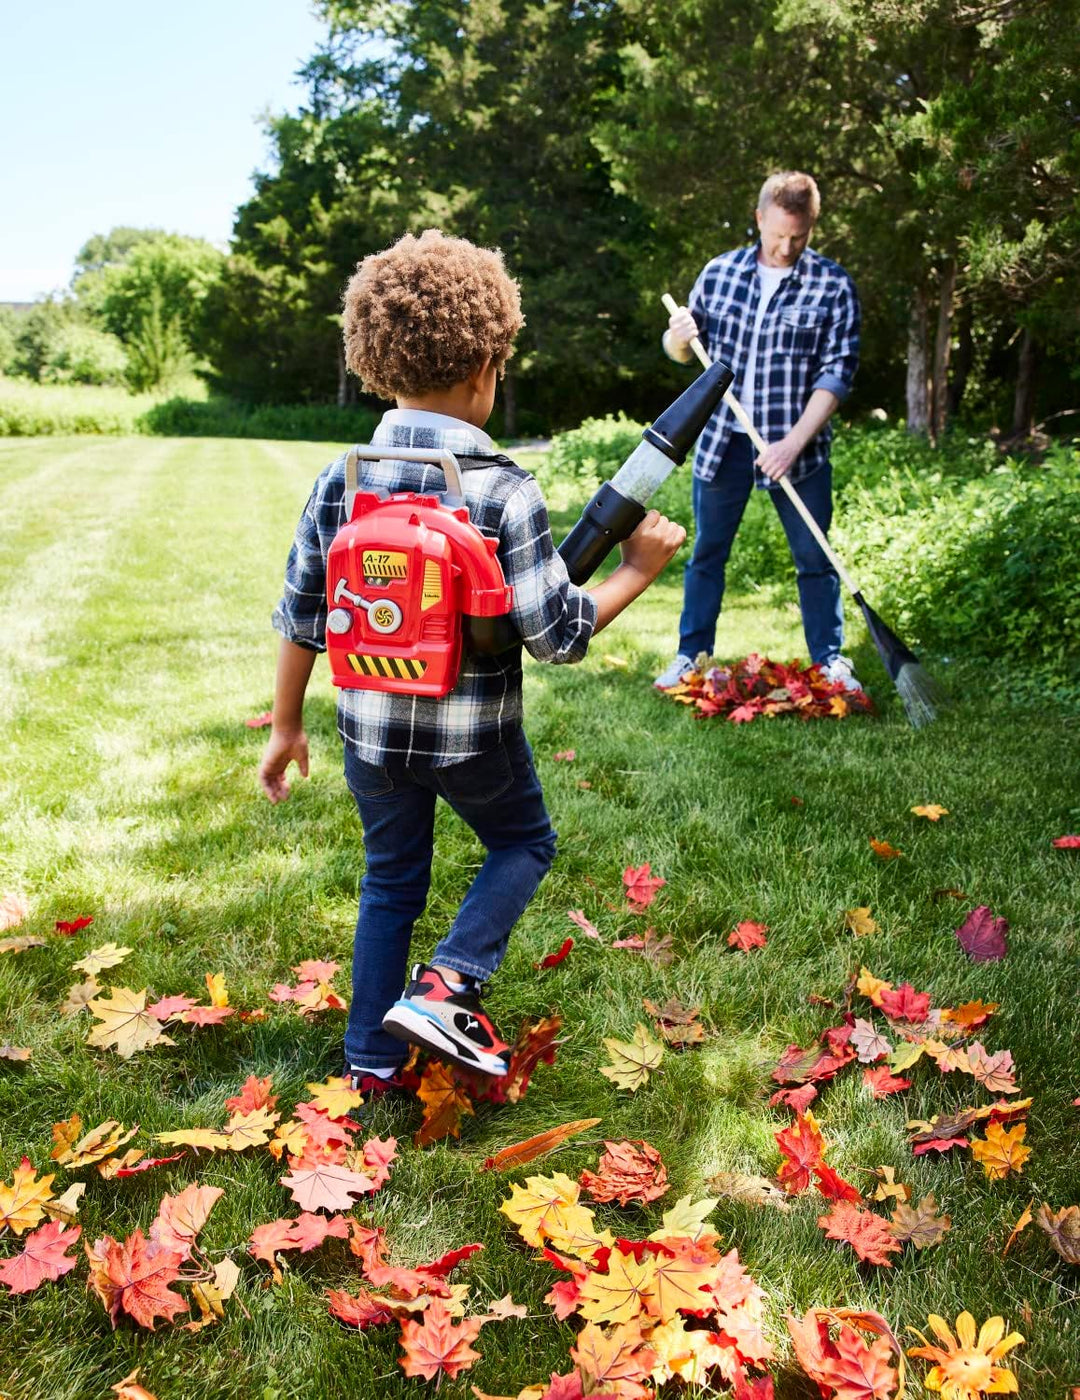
{"points": [[136, 583]]}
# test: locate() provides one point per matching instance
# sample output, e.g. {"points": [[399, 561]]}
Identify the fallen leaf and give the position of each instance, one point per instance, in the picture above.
{"points": [[130, 1389], [982, 936], [686, 1218], [260, 721], [536, 1045], [799, 1100], [181, 1217], [869, 1044], [22, 1204], [848, 1368], [43, 1258], [641, 885], [328, 1187], [98, 959], [619, 1358], [14, 1052], [868, 1235], [335, 1097], [632, 1061], [553, 959], [521, 1152], [135, 1165], [125, 1024], [905, 1004], [949, 893], [1021, 1225], [921, 1226], [589, 929], [971, 1015], [884, 850], [749, 1190], [363, 1309], [70, 926], [79, 997], [98, 1143], [13, 910], [436, 1345], [1063, 1229], [1063, 843], [933, 812], [747, 935], [627, 1171], [21, 942], [677, 1024], [504, 1307], [134, 1277], [993, 1072], [1002, 1151], [888, 1186], [802, 1150], [536, 1207], [445, 1102], [858, 921], [565, 756], [66, 1207], [254, 1094], [881, 1083]]}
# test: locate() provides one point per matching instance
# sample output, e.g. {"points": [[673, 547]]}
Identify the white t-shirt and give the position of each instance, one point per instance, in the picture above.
{"points": [[769, 279]]}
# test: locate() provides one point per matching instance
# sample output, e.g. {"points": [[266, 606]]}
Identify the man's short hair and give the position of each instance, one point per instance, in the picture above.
{"points": [[793, 191], [426, 313]]}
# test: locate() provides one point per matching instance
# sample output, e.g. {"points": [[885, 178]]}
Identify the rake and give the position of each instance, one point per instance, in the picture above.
{"points": [[920, 694]]}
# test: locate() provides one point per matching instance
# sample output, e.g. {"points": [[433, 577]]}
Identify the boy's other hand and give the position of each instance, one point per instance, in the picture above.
{"points": [[652, 545], [283, 748]]}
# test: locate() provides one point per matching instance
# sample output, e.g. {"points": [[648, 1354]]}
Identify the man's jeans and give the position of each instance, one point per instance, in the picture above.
{"points": [[718, 509], [499, 796]]}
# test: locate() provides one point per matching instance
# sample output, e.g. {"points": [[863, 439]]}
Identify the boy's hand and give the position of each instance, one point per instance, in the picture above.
{"points": [[652, 545], [283, 748]]}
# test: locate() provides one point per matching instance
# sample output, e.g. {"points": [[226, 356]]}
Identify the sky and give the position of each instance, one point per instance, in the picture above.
{"points": [[132, 113]]}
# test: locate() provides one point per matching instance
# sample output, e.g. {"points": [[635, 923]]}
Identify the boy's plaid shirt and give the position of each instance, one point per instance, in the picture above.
{"points": [[555, 618], [809, 340]]}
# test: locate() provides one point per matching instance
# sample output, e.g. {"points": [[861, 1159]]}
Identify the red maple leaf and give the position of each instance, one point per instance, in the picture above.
{"points": [[554, 959], [641, 885], [44, 1256], [70, 926], [587, 927], [535, 1045], [378, 1154], [743, 714], [138, 1275], [747, 935], [435, 1345], [982, 936], [798, 1099], [260, 721], [628, 1171], [817, 1064], [834, 1187], [803, 1150], [904, 1003], [868, 1235], [881, 1083], [365, 1309], [146, 1164], [937, 1145], [1066, 843], [309, 1231], [170, 1006]]}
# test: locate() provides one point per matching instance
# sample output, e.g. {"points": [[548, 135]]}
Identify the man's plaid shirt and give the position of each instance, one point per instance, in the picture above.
{"points": [[555, 618], [809, 340]]}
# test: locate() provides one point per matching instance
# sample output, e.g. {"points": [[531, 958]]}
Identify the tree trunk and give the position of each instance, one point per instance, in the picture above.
{"points": [[1023, 424], [509, 389], [942, 345], [342, 377], [963, 359], [918, 377]]}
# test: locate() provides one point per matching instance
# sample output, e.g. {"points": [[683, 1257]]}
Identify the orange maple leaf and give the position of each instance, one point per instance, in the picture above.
{"points": [[436, 1345], [1002, 1151], [445, 1102], [181, 1217], [134, 1277], [868, 1235], [255, 1094], [628, 1171], [884, 850], [747, 935], [618, 1360], [849, 1368], [803, 1150], [363, 1309]]}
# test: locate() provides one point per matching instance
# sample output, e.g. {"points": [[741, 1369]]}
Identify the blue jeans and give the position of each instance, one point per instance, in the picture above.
{"points": [[718, 509], [499, 796]]}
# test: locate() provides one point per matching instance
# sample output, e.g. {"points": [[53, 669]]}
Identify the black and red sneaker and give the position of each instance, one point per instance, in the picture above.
{"points": [[373, 1086], [450, 1024]]}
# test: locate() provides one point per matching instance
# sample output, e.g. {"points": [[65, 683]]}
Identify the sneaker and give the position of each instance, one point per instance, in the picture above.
{"points": [[680, 667], [450, 1024], [840, 669], [372, 1086]]}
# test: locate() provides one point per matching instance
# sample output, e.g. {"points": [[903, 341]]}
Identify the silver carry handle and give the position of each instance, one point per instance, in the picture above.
{"points": [[433, 456]]}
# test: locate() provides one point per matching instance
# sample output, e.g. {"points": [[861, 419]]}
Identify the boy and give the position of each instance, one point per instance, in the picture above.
{"points": [[430, 323]]}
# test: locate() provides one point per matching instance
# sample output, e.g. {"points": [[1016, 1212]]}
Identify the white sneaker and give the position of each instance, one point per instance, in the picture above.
{"points": [[680, 667], [841, 669]]}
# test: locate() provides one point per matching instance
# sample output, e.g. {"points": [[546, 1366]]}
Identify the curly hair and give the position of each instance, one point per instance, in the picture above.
{"points": [[426, 313]]}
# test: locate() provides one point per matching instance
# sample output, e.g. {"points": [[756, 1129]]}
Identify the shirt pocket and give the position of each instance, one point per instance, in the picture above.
{"points": [[800, 329]]}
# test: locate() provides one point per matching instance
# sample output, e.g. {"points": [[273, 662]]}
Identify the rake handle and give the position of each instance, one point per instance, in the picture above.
{"points": [[671, 306]]}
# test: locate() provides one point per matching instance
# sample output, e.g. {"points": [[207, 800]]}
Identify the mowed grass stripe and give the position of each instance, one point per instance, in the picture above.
{"points": [[166, 841]]}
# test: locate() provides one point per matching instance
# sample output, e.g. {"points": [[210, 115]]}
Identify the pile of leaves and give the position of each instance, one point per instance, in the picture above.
{"points": [[757, 687]]}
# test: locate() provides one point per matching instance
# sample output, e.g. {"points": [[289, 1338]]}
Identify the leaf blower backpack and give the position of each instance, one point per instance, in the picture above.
{"points": [[401, 574]]}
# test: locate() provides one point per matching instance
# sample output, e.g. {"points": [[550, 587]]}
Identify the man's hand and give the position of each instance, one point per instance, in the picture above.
{"points": [[680, 332], [779, 457], [652, 545], [284, 747]]}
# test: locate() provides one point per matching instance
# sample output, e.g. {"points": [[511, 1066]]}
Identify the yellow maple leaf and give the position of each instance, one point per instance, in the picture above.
{"points": [[335, 1097], [932, 812], [98, 959], [531, 1206], [680, 1276], [621, 1294], [688, 1355], [111, 1165], [79, 996], [212, 1294], [686, 1217], [216, 989], [1001, 1151], [66, 1207], [291, 1137], [22, 1204], [126, 1025], [250, 1129], [859, 922], [889, 1186], [99, 1142], [632, 1061], [870, 986]]}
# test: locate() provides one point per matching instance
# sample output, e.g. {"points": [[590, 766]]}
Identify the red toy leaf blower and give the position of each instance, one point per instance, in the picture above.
{"points": [[401, 575]]}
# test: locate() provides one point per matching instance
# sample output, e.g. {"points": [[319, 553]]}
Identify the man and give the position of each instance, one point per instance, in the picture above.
{"points": [[787, 320]]}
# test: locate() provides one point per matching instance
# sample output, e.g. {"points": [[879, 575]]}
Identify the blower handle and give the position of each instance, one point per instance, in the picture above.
{"points": [[671, 306], [435, 457]]}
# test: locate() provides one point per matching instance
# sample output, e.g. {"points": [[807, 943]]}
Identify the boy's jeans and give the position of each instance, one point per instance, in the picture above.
{"points": [[499, 796], [718, 509]]}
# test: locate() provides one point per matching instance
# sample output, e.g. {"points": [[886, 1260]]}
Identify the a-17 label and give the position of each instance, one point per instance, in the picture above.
{"points": [[382, 565]]}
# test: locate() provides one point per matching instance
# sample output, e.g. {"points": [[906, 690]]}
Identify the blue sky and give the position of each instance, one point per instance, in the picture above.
{"points": [[134, 113]]}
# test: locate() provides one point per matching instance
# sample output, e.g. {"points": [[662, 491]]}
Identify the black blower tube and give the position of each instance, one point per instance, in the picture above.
{"points": [[620, 505]]}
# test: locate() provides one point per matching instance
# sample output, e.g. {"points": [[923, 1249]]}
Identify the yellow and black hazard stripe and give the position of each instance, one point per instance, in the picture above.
{"points": [[392, 668]]}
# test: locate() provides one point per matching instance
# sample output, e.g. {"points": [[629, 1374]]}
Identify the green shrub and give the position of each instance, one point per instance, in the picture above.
{"points": [[595, 449], [84, 355], [44, 410], [225, 418]]}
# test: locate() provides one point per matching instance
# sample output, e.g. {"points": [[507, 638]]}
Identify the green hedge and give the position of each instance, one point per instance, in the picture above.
{"points": [[965, 554]]}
